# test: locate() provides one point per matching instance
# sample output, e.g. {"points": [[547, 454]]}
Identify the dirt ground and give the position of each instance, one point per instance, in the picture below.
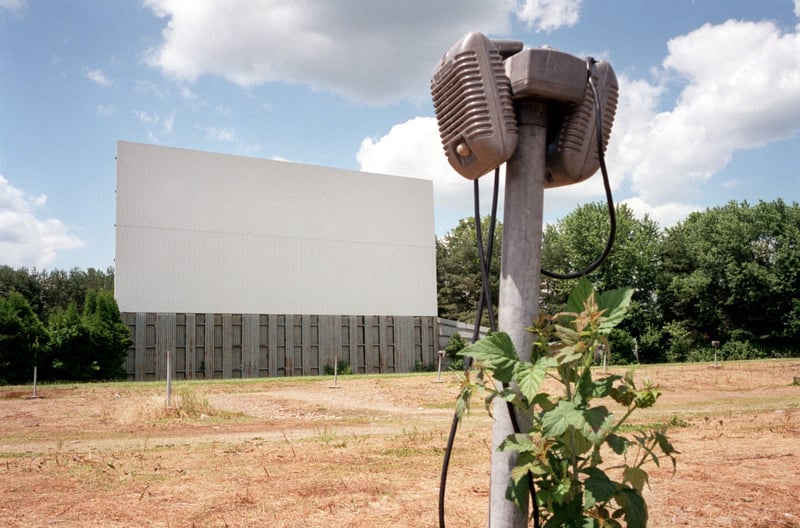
{"points": [[368, 453]]}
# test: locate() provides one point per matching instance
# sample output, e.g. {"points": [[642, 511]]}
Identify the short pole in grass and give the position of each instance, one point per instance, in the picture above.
{"points": [[715, 346], [605, 358], [34, 395], [335, 371], [439, 370]]}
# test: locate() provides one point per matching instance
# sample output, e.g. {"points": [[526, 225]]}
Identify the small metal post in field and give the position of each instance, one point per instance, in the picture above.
{"points": [[34, 382], [335, 370], [439, 370], [715, 345], [605, 358]]}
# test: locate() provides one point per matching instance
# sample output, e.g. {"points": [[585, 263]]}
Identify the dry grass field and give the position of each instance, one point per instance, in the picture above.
{"points": [[295, 452]]}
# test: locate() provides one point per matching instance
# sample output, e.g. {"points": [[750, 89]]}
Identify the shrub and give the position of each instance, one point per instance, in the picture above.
{"points": [[343, 368]]}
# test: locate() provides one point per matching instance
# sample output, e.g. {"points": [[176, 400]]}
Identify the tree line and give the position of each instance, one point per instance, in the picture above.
{"points": [[66, 324], [729, 276]]}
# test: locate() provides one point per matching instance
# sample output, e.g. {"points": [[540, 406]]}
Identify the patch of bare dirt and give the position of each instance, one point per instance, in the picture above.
{"points": [[281, 453]]}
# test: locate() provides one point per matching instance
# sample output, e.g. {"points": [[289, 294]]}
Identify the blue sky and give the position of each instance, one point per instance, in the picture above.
{"points": [[709, 106]]}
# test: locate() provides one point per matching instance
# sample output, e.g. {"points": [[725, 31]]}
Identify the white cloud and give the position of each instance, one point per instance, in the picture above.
{"points": [[220, 134], [157, 127], [797, 8], [413, 149], [147, 119], [547, 15], [97, 76], [667, 215], [106, 110], [739, 89], [15, 6], [168, 123], [26, 240], [362, 49]]}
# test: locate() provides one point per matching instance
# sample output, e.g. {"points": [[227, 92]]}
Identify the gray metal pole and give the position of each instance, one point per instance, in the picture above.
{"points": [[519, 283]]}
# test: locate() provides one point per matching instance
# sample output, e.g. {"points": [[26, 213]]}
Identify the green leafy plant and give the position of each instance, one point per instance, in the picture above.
{"points": [[343, 368], [454, 345], [571, 431]]}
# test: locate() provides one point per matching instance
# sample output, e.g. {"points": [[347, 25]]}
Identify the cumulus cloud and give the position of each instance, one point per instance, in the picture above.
{"points": [[361, 49], [25, 239], [738, 89], [106, 110], [15, 6], [736, 83], [414, 149], [547, 15], [157, 126], [220, 134], [97, 76]]}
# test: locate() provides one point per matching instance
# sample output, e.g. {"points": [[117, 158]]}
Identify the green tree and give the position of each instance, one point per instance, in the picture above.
{"points": [[733, 273], [574, 242], [109, 334], [23, 339], [92, 345], [59, 288], [458, 273], [71, 346], [26, 282]]}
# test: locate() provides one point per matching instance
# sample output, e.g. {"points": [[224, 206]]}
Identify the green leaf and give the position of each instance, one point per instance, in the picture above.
{"points": [[619, 444], [517, 491], [602, 387], [519, 443], [591, 423], [529, 376], [578, 296], [462, 402], [598, 487], [636, 476], [598, 420], [615, 303], [633, 506], [556, 422], [496, 353], [666, 448]]}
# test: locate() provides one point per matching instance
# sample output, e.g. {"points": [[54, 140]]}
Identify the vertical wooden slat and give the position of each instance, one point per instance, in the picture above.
{"points": [[329, 327], [273, 345], [428, 341], [307, 366], [250, 342], [404, 342], [141, 340], [190, 351], [383, 355], [227, 346], [209, 345], [289, 330]]}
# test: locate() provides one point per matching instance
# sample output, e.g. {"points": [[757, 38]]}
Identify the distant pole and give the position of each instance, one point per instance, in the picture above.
{"points": [[335, 370], [715, 346], [169, 379], [518, 304], [439, 369], [34, 381]]}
